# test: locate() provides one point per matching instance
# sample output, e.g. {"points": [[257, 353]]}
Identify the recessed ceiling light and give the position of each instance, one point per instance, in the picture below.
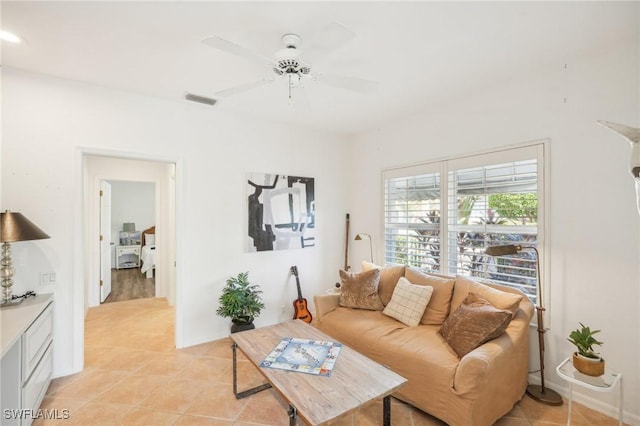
{"points": [[10, 37]]}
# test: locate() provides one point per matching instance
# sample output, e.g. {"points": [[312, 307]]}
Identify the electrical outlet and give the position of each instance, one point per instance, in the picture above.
{"points": [[44, 278], [52, 277], [282, 310]]}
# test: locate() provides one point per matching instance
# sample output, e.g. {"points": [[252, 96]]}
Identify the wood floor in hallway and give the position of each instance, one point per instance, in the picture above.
{"points": [[128, 284], [134, 376]]}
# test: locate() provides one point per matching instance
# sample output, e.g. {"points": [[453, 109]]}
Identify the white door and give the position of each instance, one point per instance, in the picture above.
{"points": [[105, 240]]}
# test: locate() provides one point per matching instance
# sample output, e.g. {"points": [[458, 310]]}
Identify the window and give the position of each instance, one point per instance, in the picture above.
{"points": [[441, 216], [412, 221]]}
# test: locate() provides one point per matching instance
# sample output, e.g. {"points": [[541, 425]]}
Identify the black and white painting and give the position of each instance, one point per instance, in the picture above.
{"points": [[281, 212]]}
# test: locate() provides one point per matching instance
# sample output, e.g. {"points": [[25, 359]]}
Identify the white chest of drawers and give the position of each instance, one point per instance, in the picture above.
{"points": [[26, 365]]}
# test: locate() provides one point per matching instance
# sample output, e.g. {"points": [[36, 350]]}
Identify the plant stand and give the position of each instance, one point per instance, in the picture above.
{"points": [[605, 383]]}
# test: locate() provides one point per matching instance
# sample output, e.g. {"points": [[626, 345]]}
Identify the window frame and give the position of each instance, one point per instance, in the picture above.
{"points": [[540, 151]]}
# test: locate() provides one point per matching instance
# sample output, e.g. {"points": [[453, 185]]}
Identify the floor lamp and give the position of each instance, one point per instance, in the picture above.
{"points": [[537, 392], [14, 227], [360, 237]]}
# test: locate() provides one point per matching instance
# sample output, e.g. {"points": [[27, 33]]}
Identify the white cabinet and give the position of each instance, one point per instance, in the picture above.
{"points": [[26, 366], [127, 257], [35, 341]]}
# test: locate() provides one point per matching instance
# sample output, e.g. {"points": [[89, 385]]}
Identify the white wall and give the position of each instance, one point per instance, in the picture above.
{"points": [[47, 122], [132, 202], [594, 228]]}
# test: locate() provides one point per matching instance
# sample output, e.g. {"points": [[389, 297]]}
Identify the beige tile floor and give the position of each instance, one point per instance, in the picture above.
{"points": [[134, 376]]}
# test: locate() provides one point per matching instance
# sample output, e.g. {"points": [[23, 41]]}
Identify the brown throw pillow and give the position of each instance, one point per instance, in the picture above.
{"points": [[499, 299], [360, 290], [438, 307], [475, 322], [389, 276]]}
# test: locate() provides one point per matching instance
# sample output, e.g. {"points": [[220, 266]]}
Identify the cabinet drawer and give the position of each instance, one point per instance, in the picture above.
{"points": [[128, 250], [35, 341], [34, 390]]}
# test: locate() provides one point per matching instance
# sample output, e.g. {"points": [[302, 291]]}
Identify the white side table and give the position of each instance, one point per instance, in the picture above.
{"points": [[605, 383], [127, 256]]}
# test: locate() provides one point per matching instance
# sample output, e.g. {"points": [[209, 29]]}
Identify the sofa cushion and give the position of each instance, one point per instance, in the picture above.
{"points": [[419, 353], [499, 299], [473, 323], [408, 302], [390, 342], [389, 276], [360, 290], [438, 307]]}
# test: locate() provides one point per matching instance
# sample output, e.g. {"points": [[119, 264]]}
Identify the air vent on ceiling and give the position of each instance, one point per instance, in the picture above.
{"points": [[199, 99]]}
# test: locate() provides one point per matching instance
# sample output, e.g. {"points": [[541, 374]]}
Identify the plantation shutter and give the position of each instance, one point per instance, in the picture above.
{"points": [[493, 200], [412, 212], [441, 217]]}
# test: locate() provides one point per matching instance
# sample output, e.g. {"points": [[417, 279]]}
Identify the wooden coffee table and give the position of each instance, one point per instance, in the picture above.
{"points": [[354, 381]]}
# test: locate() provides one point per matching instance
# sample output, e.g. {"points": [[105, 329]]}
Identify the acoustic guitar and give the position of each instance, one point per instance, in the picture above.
{"points": [[300, 304]]}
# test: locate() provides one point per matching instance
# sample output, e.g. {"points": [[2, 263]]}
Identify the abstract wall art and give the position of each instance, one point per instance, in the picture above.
{"points": [[281, 212]]}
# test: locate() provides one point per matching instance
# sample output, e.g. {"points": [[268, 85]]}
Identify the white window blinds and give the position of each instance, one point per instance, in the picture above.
{"points": [[412, 221], [441, 217]]}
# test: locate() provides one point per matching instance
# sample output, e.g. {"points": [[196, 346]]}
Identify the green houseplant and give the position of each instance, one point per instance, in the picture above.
{"points": [[241, 301], [585, 359]]}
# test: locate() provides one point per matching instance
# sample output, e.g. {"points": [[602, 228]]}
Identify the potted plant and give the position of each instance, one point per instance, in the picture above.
{"points": [[240, 301], [586, 360]]}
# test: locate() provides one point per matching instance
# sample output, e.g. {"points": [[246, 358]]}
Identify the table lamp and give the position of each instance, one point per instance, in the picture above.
{"points": [[14, 227], [538, 392]]}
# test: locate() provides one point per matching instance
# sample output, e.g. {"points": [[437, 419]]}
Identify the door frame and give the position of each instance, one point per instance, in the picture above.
{"points": [[81, 228], [105, 240]]}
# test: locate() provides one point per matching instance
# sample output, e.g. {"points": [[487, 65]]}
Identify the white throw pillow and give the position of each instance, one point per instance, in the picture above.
{"points": [[408, 302], [149, 239]]}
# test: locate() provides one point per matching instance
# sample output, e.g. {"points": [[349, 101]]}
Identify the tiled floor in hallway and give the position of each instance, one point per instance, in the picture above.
{"points": [[134, 376]]}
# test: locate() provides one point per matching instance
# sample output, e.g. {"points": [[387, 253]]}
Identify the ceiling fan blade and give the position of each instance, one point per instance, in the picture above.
{"points": [[243, 87], [236, 49], [354, 84], [331, 37]]}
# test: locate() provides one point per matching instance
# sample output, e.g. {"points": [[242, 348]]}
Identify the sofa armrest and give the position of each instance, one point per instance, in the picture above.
{"points": [[325, 303], [501, 363]]}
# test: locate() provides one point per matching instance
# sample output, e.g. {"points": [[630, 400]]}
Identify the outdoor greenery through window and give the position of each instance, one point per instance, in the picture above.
{"points": [[441, 216]]}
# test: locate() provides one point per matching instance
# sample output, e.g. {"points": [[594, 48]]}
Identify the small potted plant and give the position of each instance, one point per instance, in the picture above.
{"points": [[240, 301], [586, 360]]}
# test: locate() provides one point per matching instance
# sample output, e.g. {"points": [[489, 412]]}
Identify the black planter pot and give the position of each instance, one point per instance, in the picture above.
{"points": [[242, 325]]}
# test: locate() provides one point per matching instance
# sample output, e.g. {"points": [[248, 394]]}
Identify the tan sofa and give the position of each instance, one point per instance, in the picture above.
{"points": [[476, 389]]}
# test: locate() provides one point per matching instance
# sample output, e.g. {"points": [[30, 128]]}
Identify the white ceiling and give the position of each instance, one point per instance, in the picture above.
{"points": [[421, 53]]}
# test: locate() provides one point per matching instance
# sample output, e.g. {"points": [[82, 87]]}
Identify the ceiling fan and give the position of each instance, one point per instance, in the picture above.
{"points": [[288, 63]]}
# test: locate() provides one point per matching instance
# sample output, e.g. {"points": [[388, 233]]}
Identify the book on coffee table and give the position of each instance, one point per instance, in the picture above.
{"points": [[304, 356]]}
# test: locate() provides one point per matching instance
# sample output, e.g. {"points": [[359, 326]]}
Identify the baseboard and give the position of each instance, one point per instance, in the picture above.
{"points": [[588, 401]]}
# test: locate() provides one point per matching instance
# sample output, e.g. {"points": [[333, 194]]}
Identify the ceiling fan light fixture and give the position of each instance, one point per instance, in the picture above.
{"points": [[287, 63], [294, 80]]}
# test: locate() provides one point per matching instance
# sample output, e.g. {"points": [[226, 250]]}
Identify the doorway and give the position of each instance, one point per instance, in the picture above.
{"points": [[128, 249], [98, 169], [93, 165]]}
